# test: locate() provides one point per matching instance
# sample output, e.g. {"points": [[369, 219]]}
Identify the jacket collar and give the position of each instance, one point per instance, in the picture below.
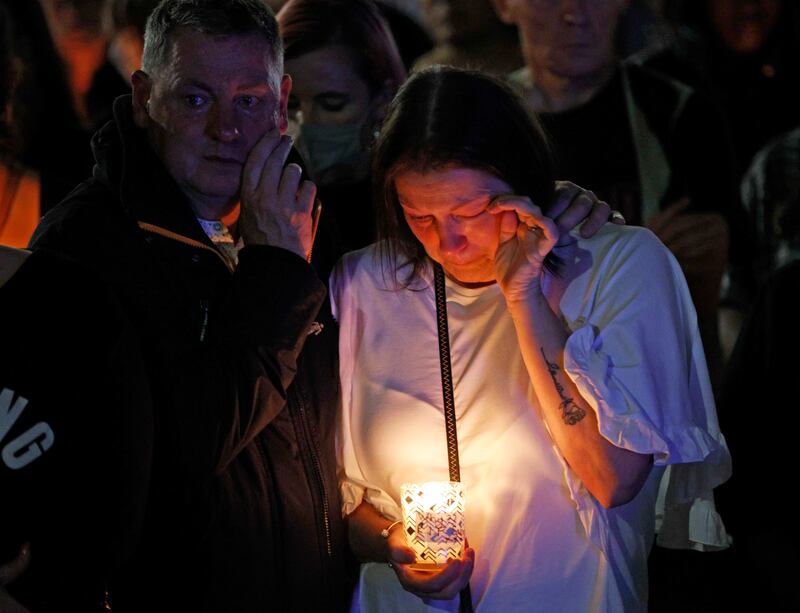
{"points": [[127, 164]]}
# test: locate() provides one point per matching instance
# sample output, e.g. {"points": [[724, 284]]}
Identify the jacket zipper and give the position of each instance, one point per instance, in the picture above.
{"points": [[153, 229], [317, 468], [148, 227], [204, 325]]}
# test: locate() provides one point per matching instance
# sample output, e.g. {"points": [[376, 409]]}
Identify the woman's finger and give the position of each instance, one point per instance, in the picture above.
{"points": [[543, 229], [563, 197], [434, 584], [528, 213]]}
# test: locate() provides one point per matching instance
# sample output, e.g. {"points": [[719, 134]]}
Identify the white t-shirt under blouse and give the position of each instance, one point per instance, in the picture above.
{"points": [[542, 542]]}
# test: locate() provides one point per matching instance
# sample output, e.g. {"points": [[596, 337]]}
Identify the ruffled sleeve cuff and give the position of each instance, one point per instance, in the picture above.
{"points": [[678, 428]]}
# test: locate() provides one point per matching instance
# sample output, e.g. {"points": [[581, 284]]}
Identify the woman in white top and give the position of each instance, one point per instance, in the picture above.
{"points": [[578, 372]]}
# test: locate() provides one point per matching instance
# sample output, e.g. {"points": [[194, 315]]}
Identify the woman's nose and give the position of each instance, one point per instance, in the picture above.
{"points": [[451, 238]]}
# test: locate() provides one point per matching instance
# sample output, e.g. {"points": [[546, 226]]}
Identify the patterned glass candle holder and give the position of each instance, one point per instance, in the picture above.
{"points": [[433, 520]]}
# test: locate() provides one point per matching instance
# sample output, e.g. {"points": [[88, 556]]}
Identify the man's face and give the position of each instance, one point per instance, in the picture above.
{"points": [[573, 39], [455, 21], [205, 107]]}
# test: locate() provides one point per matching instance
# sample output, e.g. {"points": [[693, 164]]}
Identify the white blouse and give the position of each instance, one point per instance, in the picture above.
{"points": [[542, 541]]}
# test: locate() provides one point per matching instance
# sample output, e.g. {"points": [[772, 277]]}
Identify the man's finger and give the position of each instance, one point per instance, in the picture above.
{"points": [[565, 193], [272, 171], [290, 183], [251, 174], [598, 217]]}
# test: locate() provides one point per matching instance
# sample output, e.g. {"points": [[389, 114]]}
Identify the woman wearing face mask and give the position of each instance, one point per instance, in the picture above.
{"points": [[345, 69]]}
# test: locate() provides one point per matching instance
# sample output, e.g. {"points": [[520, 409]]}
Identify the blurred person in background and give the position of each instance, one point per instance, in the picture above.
{"points": [[771, 194], [123, 27], [766, 550], [645, 143], [42, 113], [745, 54], [76, 28], [469, 35], [345, 70], [19, 185]]}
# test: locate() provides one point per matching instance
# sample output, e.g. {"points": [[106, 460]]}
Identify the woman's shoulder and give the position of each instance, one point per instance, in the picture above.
{"points": [[358, 265], [369, 273], [379, 265], [630, 252], [619, 241]]}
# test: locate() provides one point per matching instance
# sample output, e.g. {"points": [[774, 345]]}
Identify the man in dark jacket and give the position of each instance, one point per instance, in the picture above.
{"points": [[196, 221]]}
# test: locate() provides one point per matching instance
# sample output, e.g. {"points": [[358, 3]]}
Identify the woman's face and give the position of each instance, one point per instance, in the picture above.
{"points": [[326, 89], [446, 210]]}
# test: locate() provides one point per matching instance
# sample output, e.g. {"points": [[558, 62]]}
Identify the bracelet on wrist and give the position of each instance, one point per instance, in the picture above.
{"points": [[385, 531]]}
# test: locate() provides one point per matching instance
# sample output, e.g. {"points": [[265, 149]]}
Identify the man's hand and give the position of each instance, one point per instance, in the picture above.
{"points": [[573, 205], [276, 204], [9, 573], [442, 584], [699, 241]]}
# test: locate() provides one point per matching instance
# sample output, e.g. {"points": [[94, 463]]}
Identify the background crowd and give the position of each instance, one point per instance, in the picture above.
{"points": [[681, 114]]}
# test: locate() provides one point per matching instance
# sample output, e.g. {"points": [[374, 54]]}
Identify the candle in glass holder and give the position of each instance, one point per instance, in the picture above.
{"points": [[433, 520]]}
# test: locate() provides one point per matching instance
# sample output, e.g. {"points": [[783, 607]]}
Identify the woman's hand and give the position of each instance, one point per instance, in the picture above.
{"points": [[442, 584], [526, 237]]}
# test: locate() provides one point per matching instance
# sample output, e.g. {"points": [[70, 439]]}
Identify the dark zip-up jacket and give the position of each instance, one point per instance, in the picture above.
{"points": [[243, 513]]}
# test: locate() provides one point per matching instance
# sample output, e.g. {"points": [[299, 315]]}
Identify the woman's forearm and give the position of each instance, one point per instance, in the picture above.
{"points": [[364, 528], [613, 475]]}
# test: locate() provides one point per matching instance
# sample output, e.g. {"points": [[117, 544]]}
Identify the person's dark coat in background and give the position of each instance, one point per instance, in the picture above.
{"points": [[756, 409]]}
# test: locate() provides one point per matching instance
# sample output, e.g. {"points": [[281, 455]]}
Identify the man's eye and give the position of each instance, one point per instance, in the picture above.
{"points": [[194, 101], [249, 102]]}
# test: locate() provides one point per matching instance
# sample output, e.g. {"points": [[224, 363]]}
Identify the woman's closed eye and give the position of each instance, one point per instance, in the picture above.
{"points": [[332, 102], [419, 219]]}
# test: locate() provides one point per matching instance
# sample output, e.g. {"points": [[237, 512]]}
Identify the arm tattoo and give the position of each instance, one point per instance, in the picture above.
{"points": [[571, 413]]}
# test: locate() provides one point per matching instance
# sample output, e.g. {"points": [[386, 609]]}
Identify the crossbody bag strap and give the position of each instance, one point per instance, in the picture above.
{"points": [[465, 605]]}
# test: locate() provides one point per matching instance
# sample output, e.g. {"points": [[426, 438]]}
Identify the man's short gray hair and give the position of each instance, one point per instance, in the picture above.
{"points": [[213, 17]]}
